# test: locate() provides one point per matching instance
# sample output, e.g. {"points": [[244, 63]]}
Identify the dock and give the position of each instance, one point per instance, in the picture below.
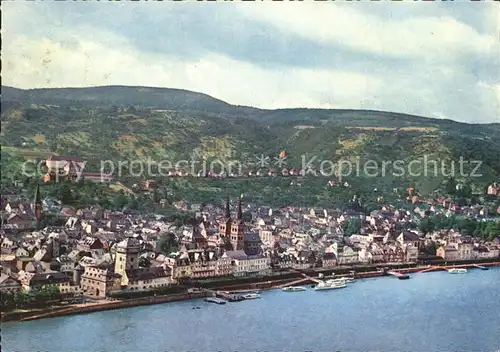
{"points": [[226, 296], [399, 275], [480, 267], [431, 268], [293, 283]]}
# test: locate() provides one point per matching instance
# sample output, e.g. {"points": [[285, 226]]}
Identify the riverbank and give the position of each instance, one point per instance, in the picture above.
{"points": [[230, 286], [97, 306]]}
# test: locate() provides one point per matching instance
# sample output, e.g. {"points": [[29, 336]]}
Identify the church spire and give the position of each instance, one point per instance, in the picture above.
{"points": [[37, 206], [228, 212], [239, 213], [37, 199]]}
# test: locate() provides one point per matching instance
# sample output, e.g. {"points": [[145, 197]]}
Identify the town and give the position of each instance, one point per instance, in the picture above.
{"points": [[98, 253]]}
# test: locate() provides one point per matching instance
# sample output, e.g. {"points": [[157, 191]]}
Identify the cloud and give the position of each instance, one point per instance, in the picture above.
{"points": [[418, 37], [431, 62], [87, 62]]}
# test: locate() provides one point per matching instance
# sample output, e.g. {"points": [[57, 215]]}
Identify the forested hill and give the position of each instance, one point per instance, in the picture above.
{"points": [[117, 122]]}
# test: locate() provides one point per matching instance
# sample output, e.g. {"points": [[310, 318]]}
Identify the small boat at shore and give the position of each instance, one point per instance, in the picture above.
{"points": [[457, 271], [251, 296], [293, 289], [215, 300], [340, 280], [329, 286]]}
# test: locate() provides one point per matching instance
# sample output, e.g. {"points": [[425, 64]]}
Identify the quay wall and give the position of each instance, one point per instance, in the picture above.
{"points": [[99, 306], [244, 284]]}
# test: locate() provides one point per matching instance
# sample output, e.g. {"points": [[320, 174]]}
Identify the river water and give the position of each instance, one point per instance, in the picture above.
{"points": [[430, 312]]}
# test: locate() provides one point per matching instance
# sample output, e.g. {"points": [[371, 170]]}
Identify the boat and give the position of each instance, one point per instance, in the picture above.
{"points": [[403, 277], [329, 286], [236, 298], [340, 280], [293, 289], [215, 300], [457, 271], [251, 296]]}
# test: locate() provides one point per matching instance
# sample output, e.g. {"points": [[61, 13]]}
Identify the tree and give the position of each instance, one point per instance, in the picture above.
{"points": [[120, 201], [426, 225], [65, 194], [167, 243], [430, 249], [451, 186], [352, 226], [133, 204], [247, 216]]}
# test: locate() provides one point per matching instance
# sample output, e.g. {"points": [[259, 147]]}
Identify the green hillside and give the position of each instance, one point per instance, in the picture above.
{"points": [[137, 123]]}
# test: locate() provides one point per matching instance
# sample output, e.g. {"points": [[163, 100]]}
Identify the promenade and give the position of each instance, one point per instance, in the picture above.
{"points": [[102, 305]]}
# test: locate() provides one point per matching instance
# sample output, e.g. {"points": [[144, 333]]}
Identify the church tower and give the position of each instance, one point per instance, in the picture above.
{"points": [[238, 229], [36, 207], [127, 257], [225, 224]]}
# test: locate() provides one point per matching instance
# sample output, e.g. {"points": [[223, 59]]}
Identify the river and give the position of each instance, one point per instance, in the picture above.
{"points": [[430, 312]]}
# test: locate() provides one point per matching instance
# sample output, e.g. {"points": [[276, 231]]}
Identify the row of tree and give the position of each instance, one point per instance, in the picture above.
{"points": [[487, 230], [36, 298]]}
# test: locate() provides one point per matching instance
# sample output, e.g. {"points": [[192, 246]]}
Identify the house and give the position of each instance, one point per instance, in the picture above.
{"points": [[409, 237], [100, 280], [95, 177], [53, 279], [266, 235], [247, 265], [224, 266], [465, 251], [180, 266], [448, 252], [394, 254], [484, 252], [329, 260], [89, 244], [369, 255], [65, 264], [8, 284], [347, 255], [144, 279], [493, 190], [12, 207], [203, 263], [7, 246], [410, 252], [21, 221], [68, 164], [21, 253], [252, 243]]}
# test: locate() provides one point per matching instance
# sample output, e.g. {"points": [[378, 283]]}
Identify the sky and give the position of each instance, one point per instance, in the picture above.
{"points": [[437, 60]]}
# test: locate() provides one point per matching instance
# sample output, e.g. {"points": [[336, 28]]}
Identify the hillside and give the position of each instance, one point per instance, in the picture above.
{"points": [[137, 123]]}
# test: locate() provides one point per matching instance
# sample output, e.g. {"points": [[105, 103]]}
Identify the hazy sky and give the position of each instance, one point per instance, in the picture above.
{"points": [[432, 59]]}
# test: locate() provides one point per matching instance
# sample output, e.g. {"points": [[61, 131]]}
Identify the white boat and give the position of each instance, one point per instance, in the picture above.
{"points": [[457, 271], [329, 286], [251, 296], [293, 289], [340, 280]]}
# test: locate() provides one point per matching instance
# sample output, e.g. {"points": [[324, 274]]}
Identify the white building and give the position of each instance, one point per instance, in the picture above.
{"points": [[244, 265]]}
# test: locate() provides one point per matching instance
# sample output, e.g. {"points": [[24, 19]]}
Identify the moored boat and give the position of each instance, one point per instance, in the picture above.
{"points": [[215, 300], [329, 286], [251, 296], [293, 289], [340, 280], [457, 271]]}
